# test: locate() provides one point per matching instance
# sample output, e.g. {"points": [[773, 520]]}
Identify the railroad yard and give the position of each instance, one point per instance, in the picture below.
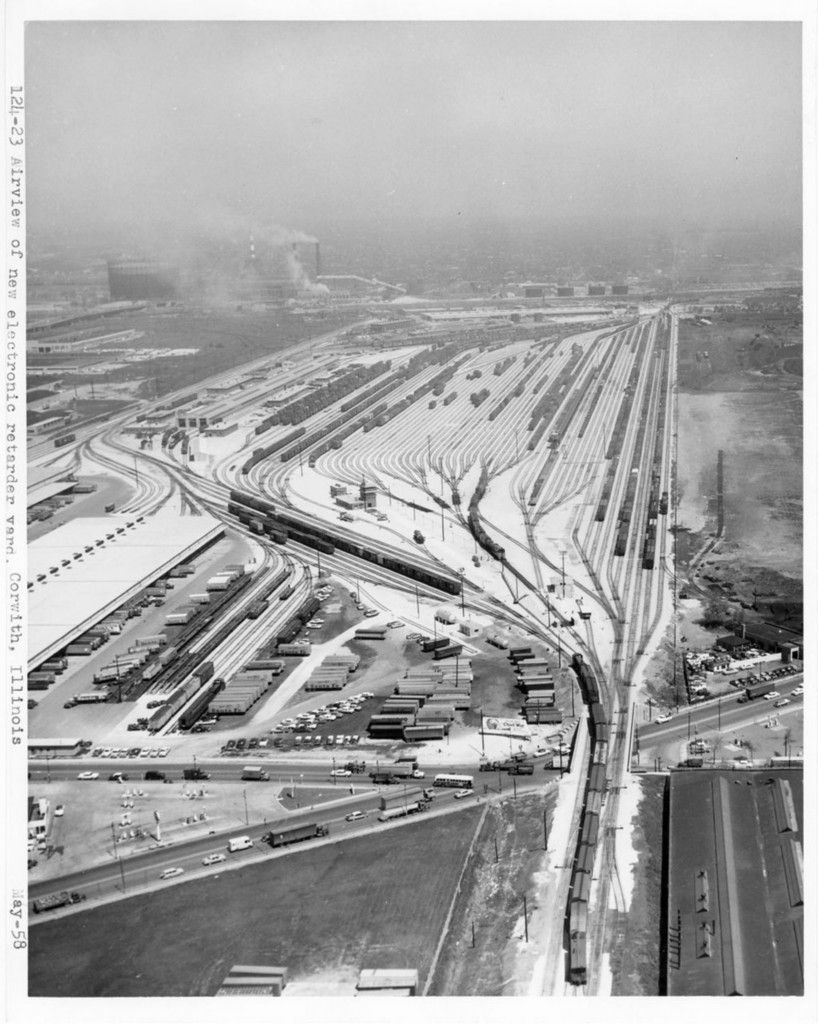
{"points": [[444, 564]]}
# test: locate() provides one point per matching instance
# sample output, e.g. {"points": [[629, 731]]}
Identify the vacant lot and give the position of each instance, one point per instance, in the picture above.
{"points": [[374, 902], [735, 349], [735, 398], [636, 958], [491, 900]]}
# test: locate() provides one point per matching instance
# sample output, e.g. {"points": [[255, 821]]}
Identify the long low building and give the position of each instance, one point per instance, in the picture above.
{"points": [[46, 483], [735, 899], [81, 572]]}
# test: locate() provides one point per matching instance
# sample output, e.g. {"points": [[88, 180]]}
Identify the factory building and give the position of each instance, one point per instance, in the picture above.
{"points": [[44, 327], [565, 290], [532, 290], [143, 279], [77, 340], [619, 289], [84, 570], [596, 289]]}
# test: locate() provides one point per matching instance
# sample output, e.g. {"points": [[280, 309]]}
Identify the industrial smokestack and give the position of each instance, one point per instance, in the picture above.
{"points": [[317, 260]]}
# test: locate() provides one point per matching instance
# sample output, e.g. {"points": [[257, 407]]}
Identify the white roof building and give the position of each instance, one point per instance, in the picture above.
{"points": [[81, 572]]}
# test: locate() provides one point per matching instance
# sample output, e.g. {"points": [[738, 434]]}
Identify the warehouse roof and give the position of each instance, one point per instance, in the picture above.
{"points": [[84, 570], [43, 491], [735, 909]]}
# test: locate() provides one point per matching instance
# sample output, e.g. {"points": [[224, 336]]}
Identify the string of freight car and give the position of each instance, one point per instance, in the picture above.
{"points": [[206, 648], [323, 537], [559, 423], [136, 681], [637, 461], [589, 834], [436, 386], [616, 440], [302, 408]]}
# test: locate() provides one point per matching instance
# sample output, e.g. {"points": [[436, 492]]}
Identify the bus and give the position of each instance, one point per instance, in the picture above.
{"points": [[454, 781]]}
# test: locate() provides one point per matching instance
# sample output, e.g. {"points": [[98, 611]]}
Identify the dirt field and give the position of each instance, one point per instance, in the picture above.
{"points": [[492, 900], [379, 901], [739, 400], [635, 956]]}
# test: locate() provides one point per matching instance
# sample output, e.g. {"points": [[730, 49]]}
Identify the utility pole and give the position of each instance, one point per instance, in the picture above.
{"points": [[563, 575], [544, 829], [462, 593], [525, 916], [246, 814], [482, 733], [119, 859], [496, 852], [417, 600]]}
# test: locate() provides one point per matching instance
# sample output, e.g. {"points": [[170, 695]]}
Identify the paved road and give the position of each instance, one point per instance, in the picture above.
{"points": [[119, 878], [725, 711]]}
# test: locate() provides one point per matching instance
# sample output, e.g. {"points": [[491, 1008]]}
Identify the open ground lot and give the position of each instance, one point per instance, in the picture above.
{"points": [[94, 812], [739, 400], [491, 900], [635, 954], [378, 901]]}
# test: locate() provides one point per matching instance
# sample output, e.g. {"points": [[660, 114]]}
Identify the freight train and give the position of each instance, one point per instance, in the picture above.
{"points": [[596, 787], [281, 525]]}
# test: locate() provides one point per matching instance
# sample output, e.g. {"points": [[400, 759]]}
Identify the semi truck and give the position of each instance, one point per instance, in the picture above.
{"points": [[253, 773], [195, 773], [295, 834], [401, 810], [759, 689], [57, 899]]}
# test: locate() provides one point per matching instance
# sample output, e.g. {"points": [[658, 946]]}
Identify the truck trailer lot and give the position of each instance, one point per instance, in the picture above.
{"points": [[378, 901]]}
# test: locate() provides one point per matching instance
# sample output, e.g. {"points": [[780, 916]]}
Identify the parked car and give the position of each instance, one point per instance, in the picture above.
{"points": [[59, 811], [88, 776]]}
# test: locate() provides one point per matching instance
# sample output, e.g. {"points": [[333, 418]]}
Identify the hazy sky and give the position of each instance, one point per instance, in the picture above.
{"points": [[309, 123]]}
